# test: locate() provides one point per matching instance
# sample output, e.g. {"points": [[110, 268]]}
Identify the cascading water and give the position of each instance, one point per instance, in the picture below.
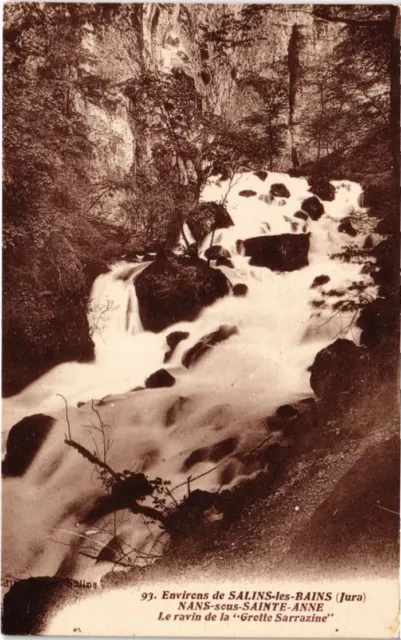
{"points": [[282, 322]]}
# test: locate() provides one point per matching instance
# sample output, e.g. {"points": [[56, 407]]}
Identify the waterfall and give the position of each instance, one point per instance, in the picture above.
{"points": [[282, 322]]}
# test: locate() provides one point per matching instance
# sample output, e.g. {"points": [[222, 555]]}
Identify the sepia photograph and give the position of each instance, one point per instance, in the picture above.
{"points": [[200, 338]]}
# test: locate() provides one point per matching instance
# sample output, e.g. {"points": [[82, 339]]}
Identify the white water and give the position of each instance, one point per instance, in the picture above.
{"points": [[228, 393]]}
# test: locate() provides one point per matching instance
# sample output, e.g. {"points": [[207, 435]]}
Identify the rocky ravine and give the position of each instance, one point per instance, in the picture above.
{"points": [[223, 397]]}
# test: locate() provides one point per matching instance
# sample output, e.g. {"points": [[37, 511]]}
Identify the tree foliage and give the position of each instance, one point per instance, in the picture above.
{"points": [[356, 84], [50, 246]]}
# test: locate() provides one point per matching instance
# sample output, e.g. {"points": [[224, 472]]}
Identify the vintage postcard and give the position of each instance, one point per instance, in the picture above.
{"points": [[200, 320]]}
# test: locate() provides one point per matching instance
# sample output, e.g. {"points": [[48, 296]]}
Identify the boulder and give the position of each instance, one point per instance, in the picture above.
{"points": [[319, 280], [287, 411], [175, 337], [322, 188], [24, 441], [206, 343], [224, 262], [247, 193], [333, 368], [313, 207], [172, 340], [240, 289], [286, 252], [279, 190], [207, 216], [266, 198], [262, 174], [301, 215], [379, 321], [30, 603], [175, 290], [216, 251], [160, 378], [346, 227]]}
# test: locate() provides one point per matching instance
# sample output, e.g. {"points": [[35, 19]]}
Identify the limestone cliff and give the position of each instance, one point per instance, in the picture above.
{"points": [[167, 37]]}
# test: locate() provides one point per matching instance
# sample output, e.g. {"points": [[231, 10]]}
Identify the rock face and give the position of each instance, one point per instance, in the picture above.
{"points": [[24, 441], [206, 343], [206, 217], [164, 38], [177, 289], [286, 252]]}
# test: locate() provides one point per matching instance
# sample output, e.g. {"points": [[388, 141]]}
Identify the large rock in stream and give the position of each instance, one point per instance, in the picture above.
{"points": [[286, 252], [175, 289], [207, 216], [23, 443], [322, 188]]}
